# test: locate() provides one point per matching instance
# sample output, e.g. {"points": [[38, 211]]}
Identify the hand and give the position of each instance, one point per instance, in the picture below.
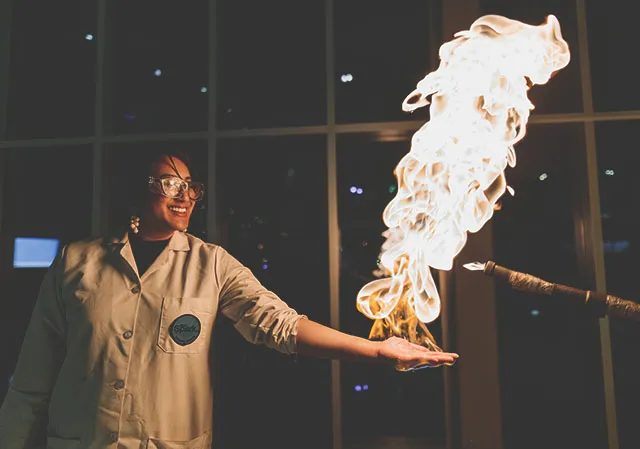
{"points": [[405, 355]]}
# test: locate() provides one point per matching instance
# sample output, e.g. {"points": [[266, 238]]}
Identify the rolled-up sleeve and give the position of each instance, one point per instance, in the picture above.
{"points": [[23, 412], [257, 313]]}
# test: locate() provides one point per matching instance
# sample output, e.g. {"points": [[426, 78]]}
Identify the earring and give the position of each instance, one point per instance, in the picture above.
{"points": [[134, 223]]}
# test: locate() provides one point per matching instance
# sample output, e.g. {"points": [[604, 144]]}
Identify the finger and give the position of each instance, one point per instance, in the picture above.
{"points": [[441, 358], [430, 358]]}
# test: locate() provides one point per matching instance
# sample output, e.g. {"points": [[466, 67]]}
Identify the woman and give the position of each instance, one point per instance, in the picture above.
{"points": [[118, 345]]}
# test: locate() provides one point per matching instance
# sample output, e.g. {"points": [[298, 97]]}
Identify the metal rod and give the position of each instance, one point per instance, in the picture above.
{"points": [[332, 222], [214, 233], [97, 215], [600, 304], [594, 224]]}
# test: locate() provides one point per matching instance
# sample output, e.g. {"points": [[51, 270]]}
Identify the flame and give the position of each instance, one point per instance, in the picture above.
{"points": [[450, 181]]}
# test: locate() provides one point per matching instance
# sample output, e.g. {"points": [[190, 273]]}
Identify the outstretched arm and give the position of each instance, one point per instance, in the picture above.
{"points": [[316, 340]]}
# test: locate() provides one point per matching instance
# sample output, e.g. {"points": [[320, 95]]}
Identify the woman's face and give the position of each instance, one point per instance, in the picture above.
{"points": [[165, 215]]}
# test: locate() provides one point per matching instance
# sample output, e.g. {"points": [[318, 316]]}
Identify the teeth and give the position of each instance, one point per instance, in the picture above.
{"points": [[178, 209]]}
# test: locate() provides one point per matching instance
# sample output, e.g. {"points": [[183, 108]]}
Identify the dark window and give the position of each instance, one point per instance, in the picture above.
{"points": [[159, 59], [383, 49], [612, 49], [619, 203], [551, 374], [47, 193], [273, 197], [52, 69], [271, 64]]}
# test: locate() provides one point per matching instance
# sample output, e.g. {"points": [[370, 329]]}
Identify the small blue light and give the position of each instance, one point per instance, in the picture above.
{"points": [[535, 312], [203, 89], [88, 36], [158, 72], [365, 387], [358, 388], [353, 189], [616, 246], [359, 191], [265, 266]]}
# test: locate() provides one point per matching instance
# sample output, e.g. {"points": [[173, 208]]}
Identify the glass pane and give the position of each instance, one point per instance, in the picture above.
{"points": [[380, 407], [159, 63], [382, 51], [273, 200], [611, 32], [121, 162], [619, 202], [563, 92], [52, 70], [551, 374], [47, 193], [271, 63]]}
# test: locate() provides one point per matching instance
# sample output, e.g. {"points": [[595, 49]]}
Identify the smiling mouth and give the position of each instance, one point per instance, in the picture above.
{"points": [[178, 210]]}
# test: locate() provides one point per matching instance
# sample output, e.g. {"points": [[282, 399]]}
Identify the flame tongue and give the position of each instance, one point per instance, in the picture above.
{"points": [[450, 181]]}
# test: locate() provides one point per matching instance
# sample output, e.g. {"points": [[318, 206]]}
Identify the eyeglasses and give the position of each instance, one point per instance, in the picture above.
{"points": [[174, 187]]}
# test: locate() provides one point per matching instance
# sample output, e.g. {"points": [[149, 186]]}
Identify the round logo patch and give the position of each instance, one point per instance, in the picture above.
{"points": [[185, 329]]}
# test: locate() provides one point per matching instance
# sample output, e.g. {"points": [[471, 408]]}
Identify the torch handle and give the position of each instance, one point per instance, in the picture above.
{"points": [[599, 303], [519, 281], [623, 308]]}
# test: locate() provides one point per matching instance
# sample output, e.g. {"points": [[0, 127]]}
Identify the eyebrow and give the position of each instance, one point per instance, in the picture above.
{"points": [[173, 175]]}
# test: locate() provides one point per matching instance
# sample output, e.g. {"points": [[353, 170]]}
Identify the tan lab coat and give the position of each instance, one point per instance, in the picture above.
{"points": [[124, 362]]}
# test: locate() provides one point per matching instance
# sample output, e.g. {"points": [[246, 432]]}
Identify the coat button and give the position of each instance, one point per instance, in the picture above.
{"points": [[119, 385], [127, 335], [113, 436], [135, 290]]}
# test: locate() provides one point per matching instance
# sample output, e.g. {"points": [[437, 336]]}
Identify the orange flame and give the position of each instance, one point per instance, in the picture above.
{"points": [[449, 182]]}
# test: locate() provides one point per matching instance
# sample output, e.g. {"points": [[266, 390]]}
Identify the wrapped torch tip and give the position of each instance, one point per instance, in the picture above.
{"points": [[475, 266]]}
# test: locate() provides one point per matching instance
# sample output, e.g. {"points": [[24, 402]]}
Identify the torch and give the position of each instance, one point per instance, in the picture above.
{"points": [[600, 304]]}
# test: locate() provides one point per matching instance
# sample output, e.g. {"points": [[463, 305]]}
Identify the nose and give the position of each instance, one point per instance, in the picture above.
{"points": [[183, 194]]}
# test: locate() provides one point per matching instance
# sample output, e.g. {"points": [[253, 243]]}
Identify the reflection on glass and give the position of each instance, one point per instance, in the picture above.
{"points": [[382, 50], [46, 194], [271, 63], [273, 200], [159, 59], [563, 92], [121, 167], [396, 408], [51, 78], [551, 375], [619, 204], [611, 33], [34, 252]]}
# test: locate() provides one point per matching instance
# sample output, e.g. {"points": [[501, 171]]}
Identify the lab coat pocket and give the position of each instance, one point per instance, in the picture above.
{"points": [[185, 325], [201, 442], [62, 443]]}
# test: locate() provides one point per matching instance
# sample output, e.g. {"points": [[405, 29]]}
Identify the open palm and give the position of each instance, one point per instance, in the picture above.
{"points": [[405, 355]]}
